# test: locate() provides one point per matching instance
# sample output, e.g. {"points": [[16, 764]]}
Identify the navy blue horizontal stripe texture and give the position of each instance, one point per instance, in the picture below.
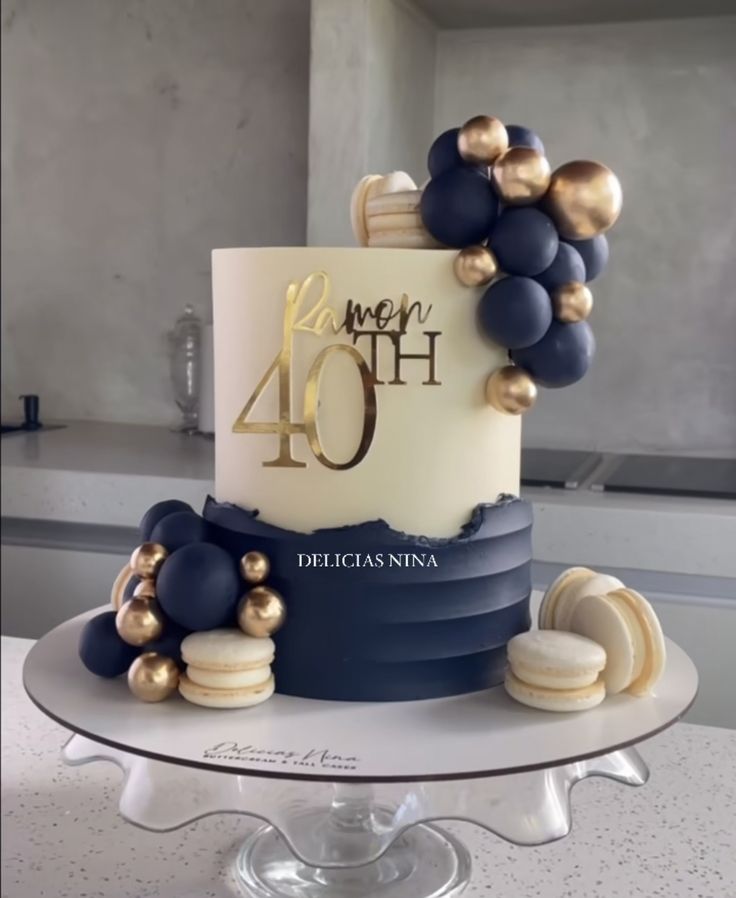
{"points": [[392, 633]]}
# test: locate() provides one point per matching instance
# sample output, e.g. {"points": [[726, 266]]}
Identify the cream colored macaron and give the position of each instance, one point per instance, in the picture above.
{"points": [[555, 660], [643, 618], [228, 679], [552, 594], [245, 697], [554, 699], [560, 601], [369, 187], [608, 623], [395, 220], [226, 650]]}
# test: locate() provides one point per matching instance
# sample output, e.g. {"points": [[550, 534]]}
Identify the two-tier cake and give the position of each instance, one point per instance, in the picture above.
{"points": [[366, 512]]}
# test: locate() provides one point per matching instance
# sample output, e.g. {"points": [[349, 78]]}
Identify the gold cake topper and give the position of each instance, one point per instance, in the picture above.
{"points": [[386, 319]]}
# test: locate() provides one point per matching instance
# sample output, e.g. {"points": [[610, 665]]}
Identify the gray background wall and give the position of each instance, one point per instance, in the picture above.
{"points": [[137, 135], [371, 103], [656, 101]]}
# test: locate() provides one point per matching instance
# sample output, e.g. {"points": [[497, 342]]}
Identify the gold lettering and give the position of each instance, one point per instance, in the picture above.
{"points": [[430, 356], [307, 310], [311, 404]]}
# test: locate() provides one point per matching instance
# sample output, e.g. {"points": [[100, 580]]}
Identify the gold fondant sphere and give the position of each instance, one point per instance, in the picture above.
{"points": [[521, 175], [146, 589], [511, 390], [147, 559], [139, 621], [572, 302], [261, 612], [254, 567], [118, 587], [153, 677], [482, 139], [475, 265], [584, 199]]}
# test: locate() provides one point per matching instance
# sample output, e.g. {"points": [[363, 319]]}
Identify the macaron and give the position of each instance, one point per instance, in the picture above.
{"points": [[207, 697], [226, 650], [226, 669], [228, 679], [555, 660], [371, 186], [639, 610], [562, 597], [581, 699], [395, 220], [609, 623]]}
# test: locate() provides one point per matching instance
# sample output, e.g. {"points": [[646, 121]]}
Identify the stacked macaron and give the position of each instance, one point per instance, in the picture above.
{"points": [[587, 619], [555, 671], [226, 669], [385, 212]]}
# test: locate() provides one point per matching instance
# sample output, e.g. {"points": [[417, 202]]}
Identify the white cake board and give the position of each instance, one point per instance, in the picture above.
{"points": [[349, 790], [479, 735]]}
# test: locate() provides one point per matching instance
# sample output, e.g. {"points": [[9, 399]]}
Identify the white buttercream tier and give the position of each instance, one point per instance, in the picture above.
{"points": [[437, 449]]}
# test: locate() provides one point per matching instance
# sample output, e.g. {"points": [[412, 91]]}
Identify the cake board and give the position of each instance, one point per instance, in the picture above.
{"points": [[351, 815]]}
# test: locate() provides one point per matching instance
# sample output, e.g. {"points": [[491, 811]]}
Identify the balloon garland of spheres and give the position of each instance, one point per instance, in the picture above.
{"points": [[482, 139], [139, 621], [119, 584], [572, 302], [153, 677], [511, 390], [261, 612], [474, 266], [254, 567], [521, 175], [584, 199], [147, 559]]}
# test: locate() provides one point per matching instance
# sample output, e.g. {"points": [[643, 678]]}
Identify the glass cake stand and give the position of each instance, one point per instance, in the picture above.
{"points": [[348, 792]]}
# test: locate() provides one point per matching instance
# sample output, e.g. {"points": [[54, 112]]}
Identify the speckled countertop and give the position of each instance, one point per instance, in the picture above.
{"points": [[63, 838]]}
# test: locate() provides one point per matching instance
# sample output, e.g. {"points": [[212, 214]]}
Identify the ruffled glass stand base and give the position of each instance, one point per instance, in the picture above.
{"points": [[349, 794]]}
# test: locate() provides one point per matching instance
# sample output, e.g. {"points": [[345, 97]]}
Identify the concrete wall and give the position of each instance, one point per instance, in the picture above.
{"points": [[371, 101], [657, 102], [137, 135]]}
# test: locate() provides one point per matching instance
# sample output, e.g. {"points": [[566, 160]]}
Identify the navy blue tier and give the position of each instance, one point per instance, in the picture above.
{"points": [[392, 632]]}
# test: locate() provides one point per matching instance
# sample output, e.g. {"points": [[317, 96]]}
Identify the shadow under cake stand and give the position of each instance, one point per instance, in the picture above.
{"points": [[348, 792]]}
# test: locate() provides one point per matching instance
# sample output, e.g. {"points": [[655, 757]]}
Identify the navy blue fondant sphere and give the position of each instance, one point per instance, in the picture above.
{"points": [[443, 154], [525, 241], [561, 357], [179, 529], [156, 512], [459, 207], [515, 312], [566, 268], [199, 587], [594, 253], [170, 642], [519, 136], [102, 651]]}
